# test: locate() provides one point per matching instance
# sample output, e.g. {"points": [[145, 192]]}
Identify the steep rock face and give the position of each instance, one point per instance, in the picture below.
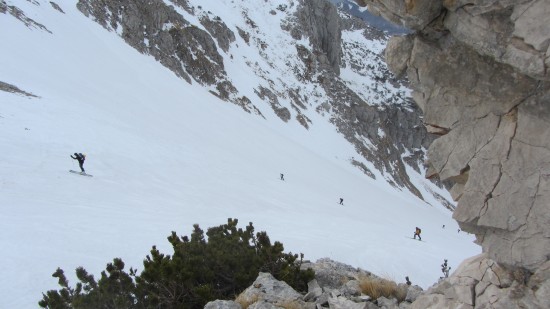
{"points": [[479, 71], [511, 32], [321, 21], [411, 13]]}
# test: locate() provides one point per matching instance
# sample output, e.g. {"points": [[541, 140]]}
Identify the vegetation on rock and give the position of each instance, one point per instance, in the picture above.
{"points": [[200, 270], [378, 287]]}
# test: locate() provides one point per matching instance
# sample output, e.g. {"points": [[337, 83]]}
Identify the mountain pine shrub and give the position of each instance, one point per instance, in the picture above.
{"points": [[200, 270]]}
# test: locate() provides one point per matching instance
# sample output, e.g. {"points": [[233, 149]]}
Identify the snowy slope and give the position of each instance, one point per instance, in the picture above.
{"points": [[165, 155]]}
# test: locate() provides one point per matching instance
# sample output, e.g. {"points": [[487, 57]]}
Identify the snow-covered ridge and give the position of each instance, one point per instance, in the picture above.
{"points": [[166, 153]]}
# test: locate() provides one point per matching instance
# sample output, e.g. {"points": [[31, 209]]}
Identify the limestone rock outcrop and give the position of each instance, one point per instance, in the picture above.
{"points": [[223, 304], [479, 282], [266, 288], [321, 23], [510, 32], [479, 71], [336, 286]]}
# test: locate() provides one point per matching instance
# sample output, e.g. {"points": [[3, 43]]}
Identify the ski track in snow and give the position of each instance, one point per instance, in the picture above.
{"points": [[166, 154]]}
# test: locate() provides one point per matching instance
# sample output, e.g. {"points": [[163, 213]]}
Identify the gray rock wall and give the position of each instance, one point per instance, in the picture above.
{"points": [[321, 22], [479, 70]]}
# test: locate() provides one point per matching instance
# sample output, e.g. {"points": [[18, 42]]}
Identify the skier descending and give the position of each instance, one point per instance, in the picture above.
{"points": [[282, 177], [80, 158], [417, 233], [341, 201]]}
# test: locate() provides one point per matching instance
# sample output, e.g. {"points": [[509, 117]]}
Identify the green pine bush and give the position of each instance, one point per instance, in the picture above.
{"points": [[199, 270]]}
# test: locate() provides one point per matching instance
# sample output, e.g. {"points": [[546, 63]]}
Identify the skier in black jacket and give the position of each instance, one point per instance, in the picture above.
{"points": [[80, 158], [417, 233]]}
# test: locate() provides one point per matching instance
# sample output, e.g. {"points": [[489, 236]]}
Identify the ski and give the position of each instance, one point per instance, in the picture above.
{"points": [[415, 239], [80, 173]]}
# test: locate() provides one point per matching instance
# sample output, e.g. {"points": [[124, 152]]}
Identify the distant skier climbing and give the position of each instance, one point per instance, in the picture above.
{"points": [[445, 269], [417, 233], [80, 158], [341, 201], [282, 176]]}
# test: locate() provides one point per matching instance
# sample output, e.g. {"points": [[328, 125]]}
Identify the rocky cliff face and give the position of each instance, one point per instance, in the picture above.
{"points": [[479, 70], [319, 19]]}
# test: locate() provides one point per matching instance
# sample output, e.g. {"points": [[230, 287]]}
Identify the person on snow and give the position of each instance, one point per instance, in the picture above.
{"points": [[282, 177], [417, 233], [80, 158], [445, 269], [341, 201]]}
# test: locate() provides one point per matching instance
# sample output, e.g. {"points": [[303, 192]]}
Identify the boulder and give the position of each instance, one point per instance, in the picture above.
{"points": [[314, 291], [341, 302], [331, 274], [385, 303], [268, 289], [351, 288], [412, 293], [222, 304], [264, 305]]}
